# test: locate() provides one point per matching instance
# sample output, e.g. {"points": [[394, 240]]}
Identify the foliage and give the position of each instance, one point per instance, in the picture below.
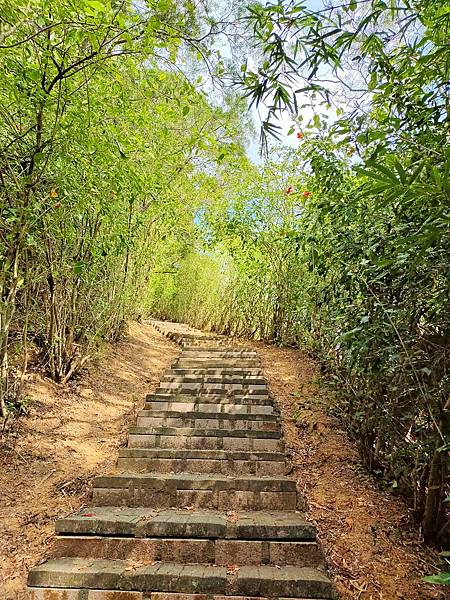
{"points": [[104, 154], [342, 246]]}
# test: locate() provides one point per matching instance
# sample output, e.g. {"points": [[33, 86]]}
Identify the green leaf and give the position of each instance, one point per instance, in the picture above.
{"points": [[373, 81], [440, 579], [95, 6], [78, 267]]}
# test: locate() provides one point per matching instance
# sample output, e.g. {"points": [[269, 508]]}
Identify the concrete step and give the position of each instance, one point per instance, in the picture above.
{"points": [[190, 550], [216, 356], [185, 362], [249, 581], [183, 404], [147, 522], [206, 420], [206, 343], [211, 491], [205, 439], [210, 432], [243, 379], [213, 387], [85, 594], [213, 390], [213, 352], [209, 414], [186, 337], [149, 460], [214, 372], [213, 401]]}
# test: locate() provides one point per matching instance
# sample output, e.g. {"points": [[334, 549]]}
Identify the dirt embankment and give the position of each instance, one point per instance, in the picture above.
{"points": [[70, 434], [371, 546]]}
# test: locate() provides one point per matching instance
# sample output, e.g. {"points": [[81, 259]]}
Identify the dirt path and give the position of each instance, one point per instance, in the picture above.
{"points": [[71, 434], [372, 549]]}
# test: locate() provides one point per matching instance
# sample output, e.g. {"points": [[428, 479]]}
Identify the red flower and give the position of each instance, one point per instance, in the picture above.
{"points": [[306, 194], [300, 135], [289, 189], [57, 205]]}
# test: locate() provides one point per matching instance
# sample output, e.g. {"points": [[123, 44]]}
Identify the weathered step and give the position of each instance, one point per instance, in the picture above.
{"points": [[206, 406], [210, 432], [223, 356], [216, 363], [149, 460], [215, 404], [190, 550], [214, 372], [230, 397], [206, 420], [250, 581], [197, 337], [243, 379], [212, 352], [236, 417], [186, 387], [46, 593], [214, 492], [214, 389], [205, 439], [146, 522]]}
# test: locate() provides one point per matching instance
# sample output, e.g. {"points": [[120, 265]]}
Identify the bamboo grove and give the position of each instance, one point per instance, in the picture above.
{"points": [[126, 192]]}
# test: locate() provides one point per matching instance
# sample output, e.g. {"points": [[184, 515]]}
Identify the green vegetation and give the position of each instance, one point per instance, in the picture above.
{"points": [[104, 155], [126, 191]]}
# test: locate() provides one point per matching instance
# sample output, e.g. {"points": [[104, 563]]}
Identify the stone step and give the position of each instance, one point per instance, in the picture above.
{"points": [[197, 337], [181, 404], [206, 420], [217, 363], [226, 401], [205, 439], [190, 550], [149, 460], [213, 352], [247, 581], [210, 432], [216, 356], [185, 490], [214, 372], [146, 522], [219, 396], [212, 388], [236, 417], [242, 379], [46, 593]]}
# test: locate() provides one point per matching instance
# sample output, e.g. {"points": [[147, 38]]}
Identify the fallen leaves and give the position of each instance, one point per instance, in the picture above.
{"points": [[232, 569]]}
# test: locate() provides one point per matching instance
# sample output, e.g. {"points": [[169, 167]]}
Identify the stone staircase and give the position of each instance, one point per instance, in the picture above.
{"points": [[200, 507]]}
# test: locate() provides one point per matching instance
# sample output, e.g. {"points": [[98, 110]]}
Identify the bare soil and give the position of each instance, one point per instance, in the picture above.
{"points": [[69, 435], [372, 547]]}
